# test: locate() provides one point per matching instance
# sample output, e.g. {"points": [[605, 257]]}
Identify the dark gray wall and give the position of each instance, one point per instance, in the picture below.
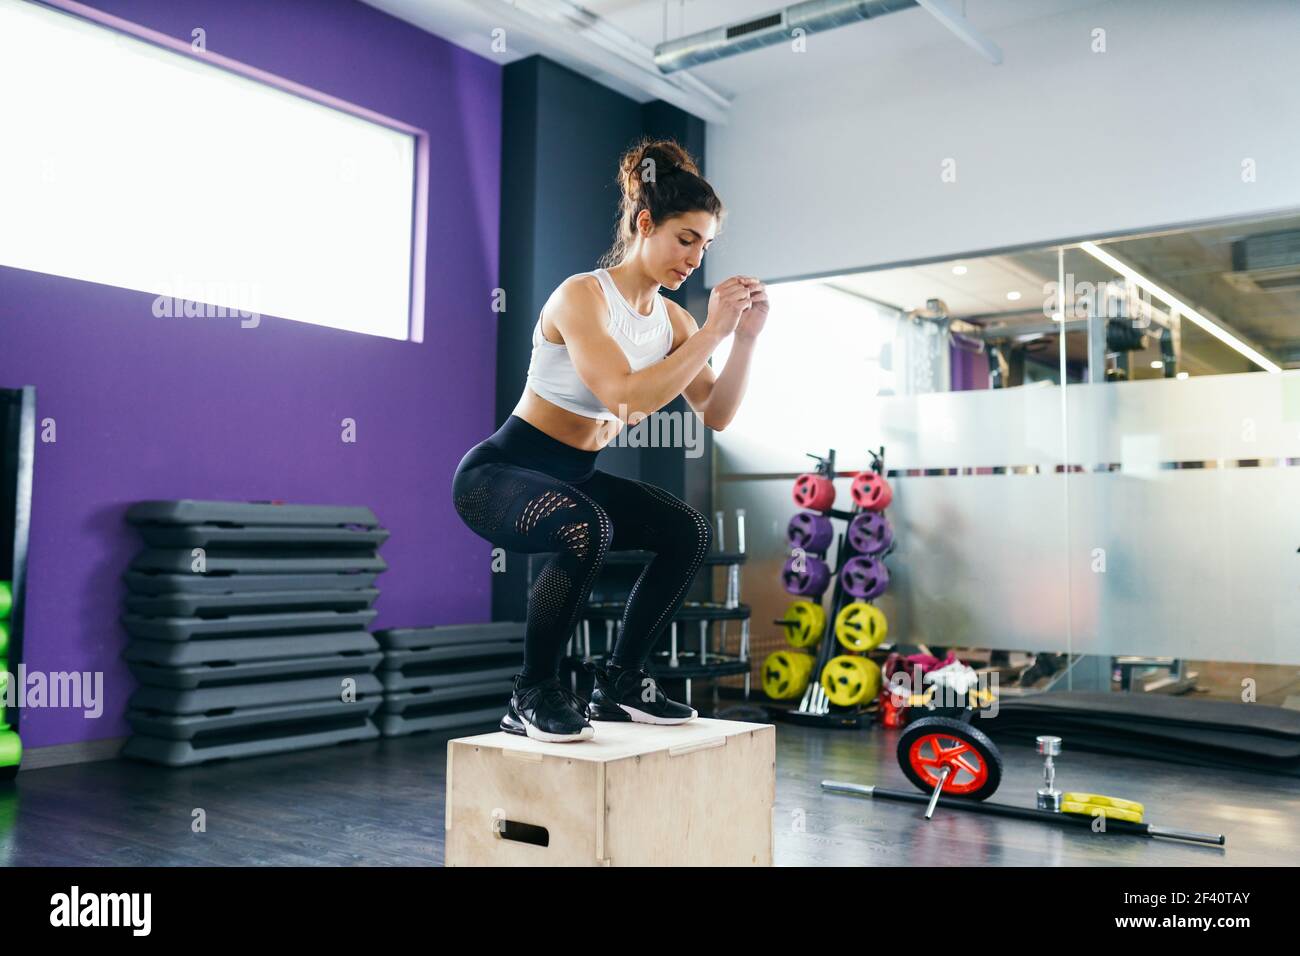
{"points": [[561, 138]]}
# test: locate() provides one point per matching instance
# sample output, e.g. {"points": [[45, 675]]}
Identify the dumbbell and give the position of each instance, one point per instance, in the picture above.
{"points": [[1049, 798]]}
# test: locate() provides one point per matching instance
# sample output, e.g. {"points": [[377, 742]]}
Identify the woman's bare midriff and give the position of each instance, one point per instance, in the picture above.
{"points": [[589, 434]]}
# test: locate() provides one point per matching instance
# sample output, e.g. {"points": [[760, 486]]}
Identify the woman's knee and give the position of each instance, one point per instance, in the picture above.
{"points": [[688, 535], [701, 531]]}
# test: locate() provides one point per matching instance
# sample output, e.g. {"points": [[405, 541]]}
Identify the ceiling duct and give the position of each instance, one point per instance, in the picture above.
{"points": [[1269, 262], [778, 26]]}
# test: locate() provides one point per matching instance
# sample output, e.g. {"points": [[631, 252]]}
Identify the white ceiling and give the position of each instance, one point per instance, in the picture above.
{"points": [[980, 291], [1190, 263], [469, 24]]}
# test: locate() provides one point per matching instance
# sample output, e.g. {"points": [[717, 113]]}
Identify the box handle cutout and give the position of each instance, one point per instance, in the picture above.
{"points": [[518, 832]]}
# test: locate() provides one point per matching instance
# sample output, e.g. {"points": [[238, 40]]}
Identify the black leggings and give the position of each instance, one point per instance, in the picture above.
{"points": [[525, 491]]}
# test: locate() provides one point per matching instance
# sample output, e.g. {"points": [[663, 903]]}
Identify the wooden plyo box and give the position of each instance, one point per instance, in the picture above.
{"points": [[696, 794]]}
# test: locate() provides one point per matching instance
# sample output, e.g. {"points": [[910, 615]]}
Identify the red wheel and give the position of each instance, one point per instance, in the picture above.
{"points": [[814, 492], [870, 490], [932, 743]]}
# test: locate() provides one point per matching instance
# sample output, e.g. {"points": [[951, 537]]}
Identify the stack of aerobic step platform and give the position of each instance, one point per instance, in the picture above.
{"points": [[455, 675], [249, 627]]}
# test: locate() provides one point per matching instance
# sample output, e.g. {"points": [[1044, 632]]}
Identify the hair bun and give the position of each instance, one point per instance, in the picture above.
{"points": [[664, 155], [669, 155]]}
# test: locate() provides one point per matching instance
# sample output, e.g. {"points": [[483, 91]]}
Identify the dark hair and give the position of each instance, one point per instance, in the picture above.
{"points": [[658, 175]]}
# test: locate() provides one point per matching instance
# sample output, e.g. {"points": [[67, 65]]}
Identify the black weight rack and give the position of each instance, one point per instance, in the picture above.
{"points": [[696, 646]]}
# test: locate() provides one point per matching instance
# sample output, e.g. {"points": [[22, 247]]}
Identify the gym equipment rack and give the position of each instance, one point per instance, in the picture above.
{"points": [[814, 708]]}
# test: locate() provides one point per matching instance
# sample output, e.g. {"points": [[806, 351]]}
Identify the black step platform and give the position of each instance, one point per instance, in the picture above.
{"points": [[249, 602], [412, 638], [352, 723], [198, 628], [261, 561], [476, 670], [207, 700], [247, 648], [431, 658], [205, 726], [465, 705], [158, 583], [215, 536], [188, 511], [216, 674]]}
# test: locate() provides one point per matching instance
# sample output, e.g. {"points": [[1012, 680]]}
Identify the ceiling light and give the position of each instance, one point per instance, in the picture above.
{"points": [[1013, 296], [1181, 375], [959, 270], [1157, 364], [1169, 299]]}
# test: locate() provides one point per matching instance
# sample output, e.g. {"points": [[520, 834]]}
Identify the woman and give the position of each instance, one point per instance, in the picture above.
{"points": [[608, 350]]}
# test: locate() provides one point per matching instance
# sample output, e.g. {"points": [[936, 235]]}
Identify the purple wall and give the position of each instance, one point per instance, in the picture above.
{"points": [[202, 408], [970, 370]]}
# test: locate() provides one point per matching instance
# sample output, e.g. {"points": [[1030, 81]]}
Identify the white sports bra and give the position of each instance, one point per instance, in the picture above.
{"points": [[644, 339]]}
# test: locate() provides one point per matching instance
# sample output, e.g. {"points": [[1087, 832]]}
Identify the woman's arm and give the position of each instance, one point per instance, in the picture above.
{"points": [[730, 386], [717, 399], [577, 310]]}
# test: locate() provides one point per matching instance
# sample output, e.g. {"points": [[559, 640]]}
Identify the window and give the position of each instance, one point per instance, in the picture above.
{"points": [[822, 357], [127, 163]]}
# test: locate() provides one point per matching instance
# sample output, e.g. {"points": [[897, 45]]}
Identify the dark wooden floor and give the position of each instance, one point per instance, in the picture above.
{"points": [[381, 803]]}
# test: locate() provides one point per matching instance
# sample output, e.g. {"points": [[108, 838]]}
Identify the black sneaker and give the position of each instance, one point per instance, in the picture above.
{"points": [[633, 695], [547, 711]]}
